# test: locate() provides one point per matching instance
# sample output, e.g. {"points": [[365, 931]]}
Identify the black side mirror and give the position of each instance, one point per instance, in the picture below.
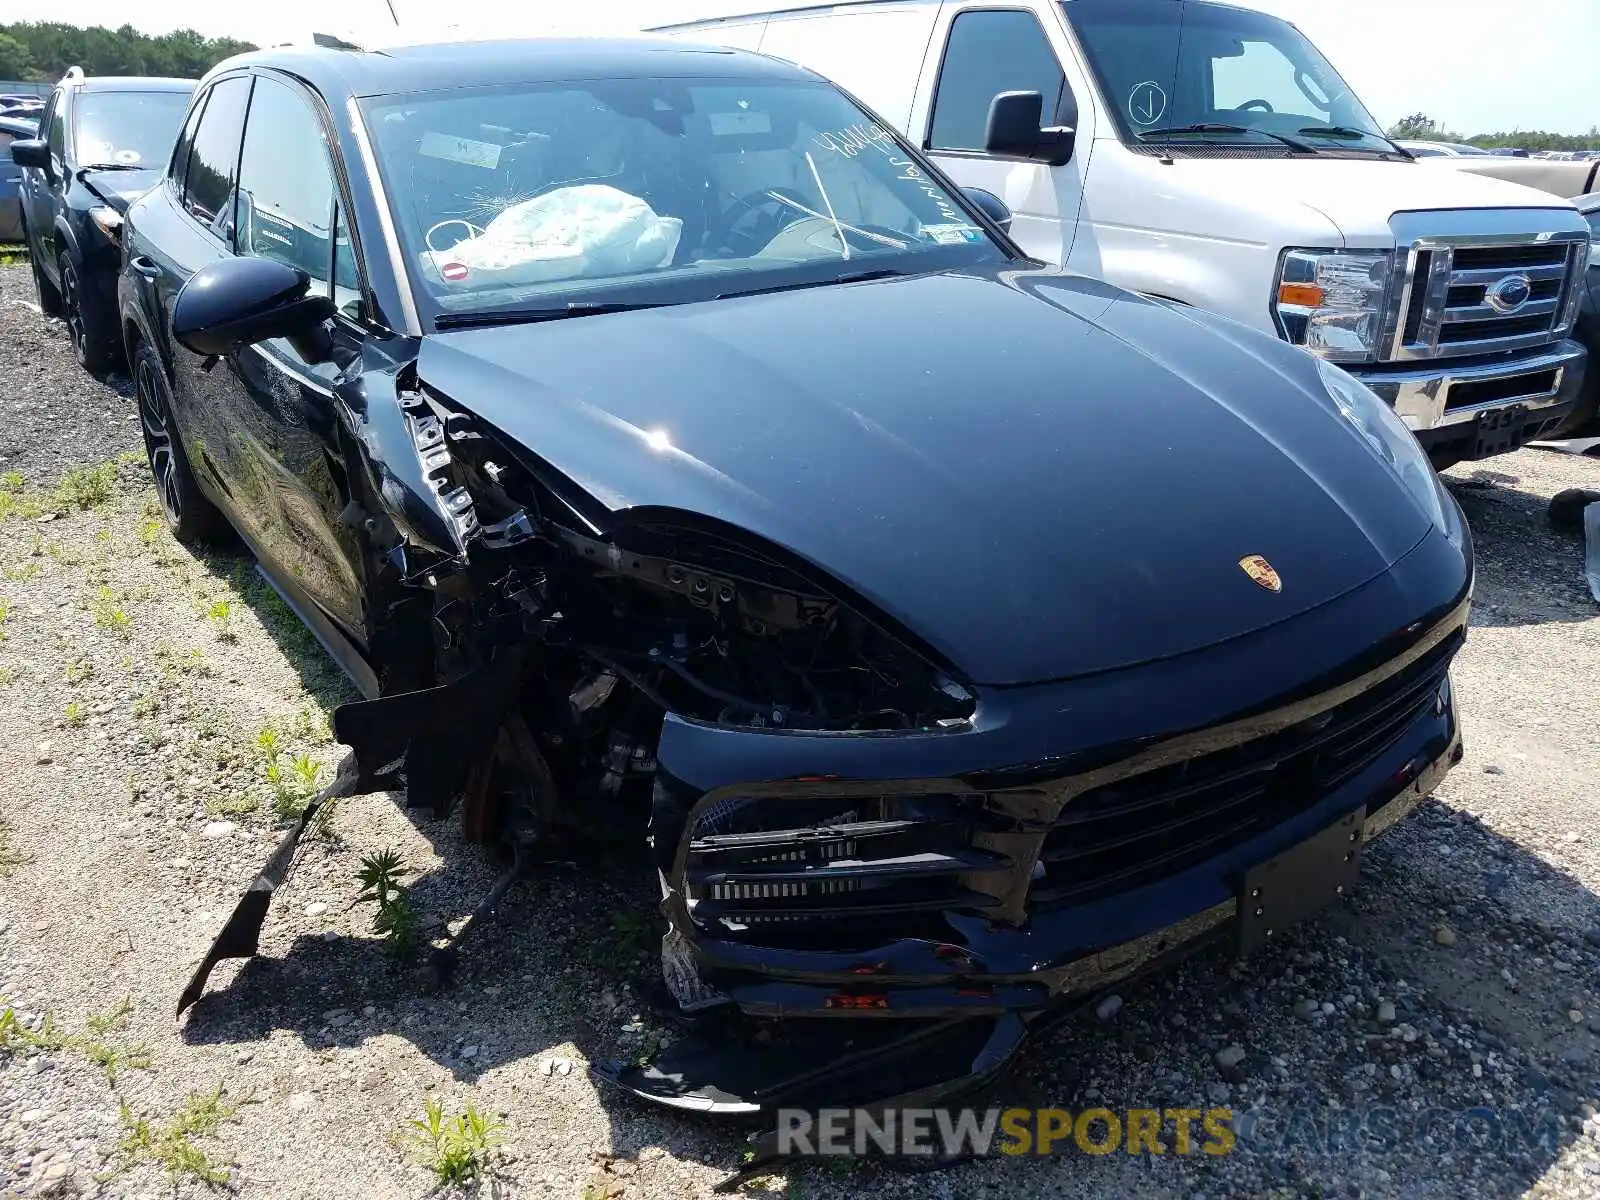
{"points": [[31, 152], [1016, 130], [236, 302], [993, 207]]}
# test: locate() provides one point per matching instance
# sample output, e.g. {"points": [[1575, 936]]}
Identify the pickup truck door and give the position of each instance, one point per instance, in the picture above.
{"points": [[979, 49]]}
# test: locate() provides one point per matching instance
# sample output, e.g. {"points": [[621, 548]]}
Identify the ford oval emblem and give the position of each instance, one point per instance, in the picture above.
{"points": [[1509, 294]]}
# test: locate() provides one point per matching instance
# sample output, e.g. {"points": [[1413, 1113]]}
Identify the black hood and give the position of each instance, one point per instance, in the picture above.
{"points": [[1039, 474], [119, 188]]}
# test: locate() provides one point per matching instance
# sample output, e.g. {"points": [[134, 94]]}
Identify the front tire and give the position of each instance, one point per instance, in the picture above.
{"points": [[190, 516], [92, 344]]}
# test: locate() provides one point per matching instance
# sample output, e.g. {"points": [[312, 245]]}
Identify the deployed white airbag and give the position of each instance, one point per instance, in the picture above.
{"points": [[590, 229]]}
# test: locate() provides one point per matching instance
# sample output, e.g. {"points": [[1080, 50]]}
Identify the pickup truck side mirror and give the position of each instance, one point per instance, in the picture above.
{"points": [[1016, 129]]}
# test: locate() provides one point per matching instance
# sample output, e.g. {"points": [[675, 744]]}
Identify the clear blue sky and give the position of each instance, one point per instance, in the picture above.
{"points": [[1476, 65]]}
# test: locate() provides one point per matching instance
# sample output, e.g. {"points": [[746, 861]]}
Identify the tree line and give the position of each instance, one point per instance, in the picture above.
{"points": [[1422, 127], [41, 52]]}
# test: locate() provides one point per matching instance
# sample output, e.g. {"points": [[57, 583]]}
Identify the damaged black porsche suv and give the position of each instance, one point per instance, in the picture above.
{"points": [[663, 444]]}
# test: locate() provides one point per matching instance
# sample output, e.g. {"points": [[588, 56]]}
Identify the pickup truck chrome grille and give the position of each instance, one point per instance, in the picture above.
{"points": [[1472, 291]]}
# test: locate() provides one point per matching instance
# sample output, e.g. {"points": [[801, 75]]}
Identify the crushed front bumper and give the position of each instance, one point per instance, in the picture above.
{"points": [[1474, 409], [1074, 836]]}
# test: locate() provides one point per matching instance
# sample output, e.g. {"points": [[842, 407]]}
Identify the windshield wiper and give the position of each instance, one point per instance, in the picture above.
{"points": [[1351, 131], [851, 277], [1211, 127], [530, 316], [112, 167]]}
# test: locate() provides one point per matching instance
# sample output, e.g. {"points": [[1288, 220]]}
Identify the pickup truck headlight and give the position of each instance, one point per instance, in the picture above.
{"points": [[1389, 438], [1333, 302]]}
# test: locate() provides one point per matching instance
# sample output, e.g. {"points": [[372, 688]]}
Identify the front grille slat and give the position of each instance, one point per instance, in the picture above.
{"points": [[930, 862], [1152, 829], [1452, 293], [897, 899]]}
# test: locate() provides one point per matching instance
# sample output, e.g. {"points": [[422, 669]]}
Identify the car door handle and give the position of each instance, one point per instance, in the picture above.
{"points": [[143, 266]]}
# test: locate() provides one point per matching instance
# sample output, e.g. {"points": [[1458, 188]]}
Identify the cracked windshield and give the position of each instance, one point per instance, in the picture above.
{"points": [[1206, 73], [654, 191]]}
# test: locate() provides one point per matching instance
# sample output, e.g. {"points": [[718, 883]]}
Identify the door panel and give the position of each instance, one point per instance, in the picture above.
{"points": [[41, 197], [981, 50], [202, 235], [286, 458]]}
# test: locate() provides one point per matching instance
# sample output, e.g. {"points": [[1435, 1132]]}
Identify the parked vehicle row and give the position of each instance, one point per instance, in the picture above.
{"points": [[1211, 155]]}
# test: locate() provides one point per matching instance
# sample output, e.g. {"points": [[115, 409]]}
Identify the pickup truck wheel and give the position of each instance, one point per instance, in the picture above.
{"points": [[190, 516], [49, 297], [1586, 411], [92, 345]]}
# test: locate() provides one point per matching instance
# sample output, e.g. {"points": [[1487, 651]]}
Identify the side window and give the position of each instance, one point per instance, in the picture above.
{"points": [[1594, 231], [180, 152], [990, 52], [346, 273], [56, 126], [286, 188], [214, 159], [1260, 71]]}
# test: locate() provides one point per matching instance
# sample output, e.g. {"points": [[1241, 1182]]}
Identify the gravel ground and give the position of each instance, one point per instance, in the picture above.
{"points": [[1437, 1037], [55, 414]]}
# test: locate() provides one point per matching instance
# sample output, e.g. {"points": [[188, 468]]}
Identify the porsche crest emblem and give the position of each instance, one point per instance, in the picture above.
{"points": [[1261, 572]]}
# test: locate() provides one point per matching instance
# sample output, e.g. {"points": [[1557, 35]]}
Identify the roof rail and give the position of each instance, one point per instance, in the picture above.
{"points": [[330, 41], [73, 73]]}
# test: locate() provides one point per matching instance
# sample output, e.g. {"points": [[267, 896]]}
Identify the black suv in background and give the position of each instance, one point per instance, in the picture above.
{"points": [[103, 141]]}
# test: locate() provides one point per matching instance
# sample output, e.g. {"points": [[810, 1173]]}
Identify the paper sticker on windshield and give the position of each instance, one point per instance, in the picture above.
{"points": [[460, 149], [1147, 103], [453, 272], [950, 235], [726, 123]]}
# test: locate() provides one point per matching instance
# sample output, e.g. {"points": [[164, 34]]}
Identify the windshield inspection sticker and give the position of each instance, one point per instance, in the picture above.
{"points": [[461, 150], [1147, 103], [950, 235]]}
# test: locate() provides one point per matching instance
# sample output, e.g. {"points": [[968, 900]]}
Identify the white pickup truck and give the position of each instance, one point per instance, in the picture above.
{"points": [[1211, 155]]}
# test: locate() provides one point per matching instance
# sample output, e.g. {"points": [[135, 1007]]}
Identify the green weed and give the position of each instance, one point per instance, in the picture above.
{"points": [[396, 918], [109, 613], [456, 1149]]}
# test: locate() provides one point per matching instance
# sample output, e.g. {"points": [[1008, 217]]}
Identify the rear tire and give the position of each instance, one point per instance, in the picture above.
{"points": [[92, 344], [190, 516], [49, 297]]}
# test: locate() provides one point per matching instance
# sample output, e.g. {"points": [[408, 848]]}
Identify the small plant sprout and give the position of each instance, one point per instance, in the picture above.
{"points": [[74, 714], [169, 1145], [109, 613], [456, 1149], [396, 919], [220, 614]]}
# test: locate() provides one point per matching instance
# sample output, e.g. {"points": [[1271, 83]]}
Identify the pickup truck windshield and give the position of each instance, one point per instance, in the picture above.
{"points": [[1177, 72], [127, 129], [599, 194]]}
